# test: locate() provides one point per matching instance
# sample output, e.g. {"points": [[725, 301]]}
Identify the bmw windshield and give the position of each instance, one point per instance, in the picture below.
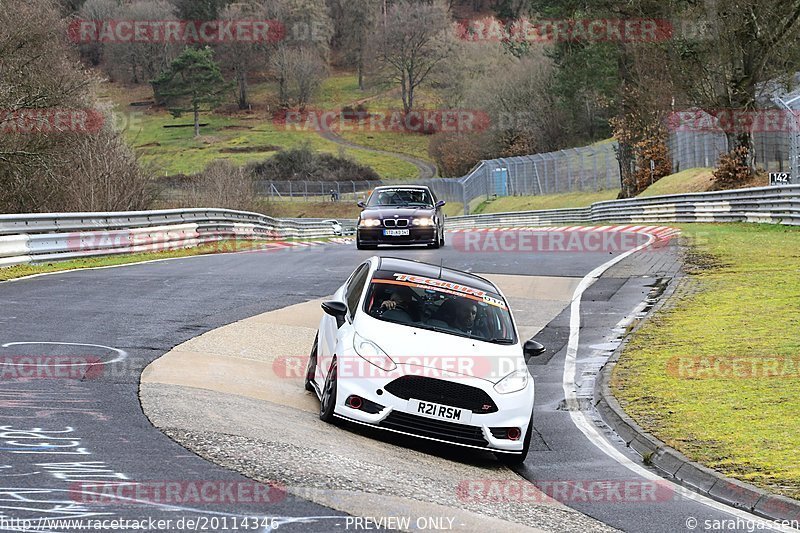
{"points": [[440, 305], [400, 198]]}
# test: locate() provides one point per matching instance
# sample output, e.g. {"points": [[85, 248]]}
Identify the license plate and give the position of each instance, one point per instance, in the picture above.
{"points": [[439, 412], [396, 232]]}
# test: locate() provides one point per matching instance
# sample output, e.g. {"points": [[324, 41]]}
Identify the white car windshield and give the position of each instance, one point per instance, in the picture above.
{"points": [[400, 198], [440, 305]]}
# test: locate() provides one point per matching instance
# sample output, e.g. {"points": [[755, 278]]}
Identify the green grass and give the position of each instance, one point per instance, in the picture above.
{"points": [[294, 208], [231, 245], [340, 90], [745, 306], [549, 201], [413, 144], [176, 151], [689, 180]]}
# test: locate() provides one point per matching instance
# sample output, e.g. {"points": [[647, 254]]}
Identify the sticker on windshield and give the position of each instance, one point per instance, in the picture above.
{"points": [[447, 287]]}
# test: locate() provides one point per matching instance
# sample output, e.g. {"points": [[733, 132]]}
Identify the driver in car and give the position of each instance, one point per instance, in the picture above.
{"points": [[465, 319], [400, 299]]}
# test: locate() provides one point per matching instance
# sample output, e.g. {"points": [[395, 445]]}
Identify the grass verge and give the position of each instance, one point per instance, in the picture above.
{"points": [[550, 201], [716, 375], [231, 245], [689, 180]]}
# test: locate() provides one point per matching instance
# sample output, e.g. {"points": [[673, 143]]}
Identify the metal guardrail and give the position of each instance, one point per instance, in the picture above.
{"points": [[775, 205], [61, 236], [49, 237]]}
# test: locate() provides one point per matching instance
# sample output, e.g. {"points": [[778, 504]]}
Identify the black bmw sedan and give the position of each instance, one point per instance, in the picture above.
{"points": [[401, 214]]}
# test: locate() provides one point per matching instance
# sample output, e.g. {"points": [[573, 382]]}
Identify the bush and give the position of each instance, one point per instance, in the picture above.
{"points": [[303, 164], [732, 170], [222, 185]]}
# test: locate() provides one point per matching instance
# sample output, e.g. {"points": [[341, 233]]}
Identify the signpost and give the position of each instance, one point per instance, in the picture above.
{"points": [[780, 178]]}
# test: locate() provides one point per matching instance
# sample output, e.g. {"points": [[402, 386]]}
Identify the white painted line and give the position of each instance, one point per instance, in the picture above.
{"points": [[121, 354], [591, 432]]}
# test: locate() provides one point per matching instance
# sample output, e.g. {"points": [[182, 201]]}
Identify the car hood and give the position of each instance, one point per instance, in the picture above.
{"points": [[400, 212], [411, 347]]}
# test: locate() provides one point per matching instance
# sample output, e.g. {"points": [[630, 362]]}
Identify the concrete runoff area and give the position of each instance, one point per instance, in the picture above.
{"points": [[220, 395]]}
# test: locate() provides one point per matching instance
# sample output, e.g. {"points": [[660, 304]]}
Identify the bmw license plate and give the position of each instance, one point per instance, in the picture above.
{"points": [[396, 232], [440, 412]]}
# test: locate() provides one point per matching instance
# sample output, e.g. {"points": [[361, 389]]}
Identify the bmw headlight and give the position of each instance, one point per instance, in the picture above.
{"points": [[423, 222], [372, 353], [369, 222], [514, 382]]}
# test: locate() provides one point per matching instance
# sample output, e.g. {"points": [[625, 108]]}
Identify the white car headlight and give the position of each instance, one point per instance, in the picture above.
{"points": [[423, 222], [369, 222], [514, 382], [372, 353]]}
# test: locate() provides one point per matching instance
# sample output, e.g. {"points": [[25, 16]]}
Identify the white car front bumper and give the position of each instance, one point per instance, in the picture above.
{"points": [[397, 415]]}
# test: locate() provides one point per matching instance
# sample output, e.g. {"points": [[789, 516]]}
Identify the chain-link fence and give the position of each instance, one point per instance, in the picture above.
{"points": [[589, 168], [176, 192], [315, 190], [699, 139], [697, 142]]}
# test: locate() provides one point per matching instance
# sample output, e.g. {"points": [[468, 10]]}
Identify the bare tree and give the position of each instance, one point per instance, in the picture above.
{"points": [[746, 44], [413, 42], [355, 21], [103, 174], [521, 103], [244, 58], [300, 60], [139, 62], [223, 185], [306, 75], [96, 10], [470, 63], [55, 169]]}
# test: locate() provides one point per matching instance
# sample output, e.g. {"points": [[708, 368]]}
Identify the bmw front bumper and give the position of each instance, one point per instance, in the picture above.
{"points": [[416, 235]]}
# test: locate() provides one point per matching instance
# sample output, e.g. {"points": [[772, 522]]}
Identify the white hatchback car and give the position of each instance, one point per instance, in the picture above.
{"points": [[426, 351]]}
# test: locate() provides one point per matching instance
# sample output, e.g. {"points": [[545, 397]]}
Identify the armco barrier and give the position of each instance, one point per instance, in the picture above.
{"points": [[774, 205], [61, 236], [48, 237]]}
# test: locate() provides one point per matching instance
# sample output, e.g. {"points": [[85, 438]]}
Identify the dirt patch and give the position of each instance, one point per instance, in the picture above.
{"points": [[250, 149], [202, 125], [699, 262]]}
